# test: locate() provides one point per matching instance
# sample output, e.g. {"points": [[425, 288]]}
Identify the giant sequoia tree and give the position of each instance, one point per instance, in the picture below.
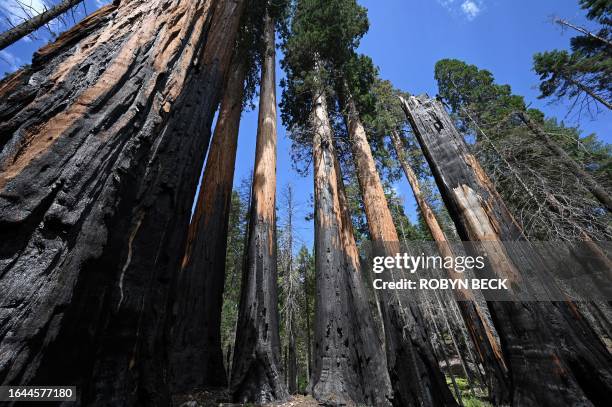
{"points": [[348, 361], [256, 370], [196, 331], [101, 140], [387, 118], [567, 364], [409, 351], [196, 335]]}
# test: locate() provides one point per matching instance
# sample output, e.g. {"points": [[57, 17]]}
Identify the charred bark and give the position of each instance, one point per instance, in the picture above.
{"points": [[482, 334], [553, 355], [28, 27], [409, 352], [292, 366], [256, 372], [196, 352], [101, 144], [348, 361]]}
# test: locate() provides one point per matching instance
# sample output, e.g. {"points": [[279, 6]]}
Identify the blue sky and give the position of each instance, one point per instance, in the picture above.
{"points": [[406, 39]]}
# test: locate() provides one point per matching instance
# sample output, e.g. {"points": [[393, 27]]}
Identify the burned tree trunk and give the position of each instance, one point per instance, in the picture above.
{"points": [[348, 360], [292, 365], [256, 372], [409, 352], [28, 27], [101, 143], [553, 356], [196, 355], [481, 332]]}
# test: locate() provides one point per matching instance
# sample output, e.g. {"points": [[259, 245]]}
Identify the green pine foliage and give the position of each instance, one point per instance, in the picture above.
{"points": [[599, 10], [584, 73], [234, 261], [323, 37], [531, 179]]}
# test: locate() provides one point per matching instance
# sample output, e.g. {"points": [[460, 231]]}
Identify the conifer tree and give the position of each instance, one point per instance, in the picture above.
{"points": [[257, 370], [585, 72], [354, 79], [196, 334], [571, 184], [348, 361]]}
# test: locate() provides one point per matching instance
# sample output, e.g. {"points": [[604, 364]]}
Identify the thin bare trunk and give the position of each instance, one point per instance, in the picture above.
{"points": [[453, 337], [438, 337], [588, 91], [29, 26], [590, 183], [583, 30], [292, 299]]}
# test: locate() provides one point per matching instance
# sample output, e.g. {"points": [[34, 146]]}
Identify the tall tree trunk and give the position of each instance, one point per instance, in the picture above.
{"points": [[308, 336], [256, 373], [453, 336], [567, 364], [438, 338], [29, 26], [292, 368], [481, 332], [196, 354], [590, 183], [411, 356], [291, 299], [101, 143], [348, 360]]}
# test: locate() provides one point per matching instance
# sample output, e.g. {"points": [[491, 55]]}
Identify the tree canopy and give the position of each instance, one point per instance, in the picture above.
{"points": [[584, 73]]}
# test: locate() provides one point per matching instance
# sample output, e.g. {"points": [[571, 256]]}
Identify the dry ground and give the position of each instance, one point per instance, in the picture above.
{"points": [[218, 398]]}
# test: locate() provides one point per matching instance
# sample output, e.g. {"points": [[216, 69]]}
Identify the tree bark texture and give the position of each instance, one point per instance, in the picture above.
{"points": [[409, 352], [291, 300], [16, 33], [308, 336], [196, 353], [292, 365], [348, 360], [101, 143], [598, 191], [553, 355], [257, 367], [481, 332]]}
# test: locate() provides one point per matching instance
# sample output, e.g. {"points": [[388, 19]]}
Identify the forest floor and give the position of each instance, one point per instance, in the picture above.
{"points": [[214, 398], [297, 401]]}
